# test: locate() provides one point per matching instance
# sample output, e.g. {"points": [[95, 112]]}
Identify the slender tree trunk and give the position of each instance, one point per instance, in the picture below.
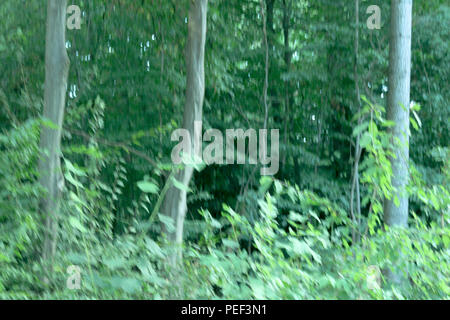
{"points": [[355, 175], [266, 62], [287, 6], [269, 42], [174, 204], [269, 20], [398, 112], [56, 73]]}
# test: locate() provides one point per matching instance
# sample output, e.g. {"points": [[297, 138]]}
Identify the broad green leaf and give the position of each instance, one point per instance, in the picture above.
{"points": [[148, 187]]}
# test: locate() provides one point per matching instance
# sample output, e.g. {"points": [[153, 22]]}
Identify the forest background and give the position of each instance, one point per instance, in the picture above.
{"points": [[92, 207]]}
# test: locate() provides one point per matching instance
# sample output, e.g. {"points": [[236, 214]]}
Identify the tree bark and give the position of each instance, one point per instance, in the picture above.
{"points": [[355, 175], [398, 112], [56, 73], [174, 205], [269, 42], [287, 7], [270, 27]]}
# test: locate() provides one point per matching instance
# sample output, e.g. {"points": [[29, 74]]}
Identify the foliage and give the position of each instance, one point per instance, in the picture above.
{"points": [[246, 236]]}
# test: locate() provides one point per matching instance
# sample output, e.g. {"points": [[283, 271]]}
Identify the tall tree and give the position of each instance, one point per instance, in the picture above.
{"points": [[56, 73], [358, 150], [396, 212], [174, 204], [287, 7], [269, 41]]}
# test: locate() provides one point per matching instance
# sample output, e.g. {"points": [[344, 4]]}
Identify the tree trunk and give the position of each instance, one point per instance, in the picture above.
{"points": [[398, 112], [174, 204], [56, 73], [269, 42], [287, 7], [355, 174], [270, 27]]}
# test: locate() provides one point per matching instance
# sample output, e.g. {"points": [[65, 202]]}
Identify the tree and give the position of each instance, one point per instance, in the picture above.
{"points": [[174, 205], [56, 73], [358, 150], [396, 208]]}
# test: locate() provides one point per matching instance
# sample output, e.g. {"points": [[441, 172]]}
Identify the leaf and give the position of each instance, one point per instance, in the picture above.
{"points": [[230, 243], [49, 124], [264, 184], [153, 248], [148, 187], [74, 222], [294, 216], [77, 258], [360, 128], [258, 289], [179, 185], [168, 222], [114, 263], [128, 285], [76, 199], [414, 123], [215, 223], [365, 140], [71, 179], [396, 201], [302, 248], [278, 187], [72, 168], [417, 118]]}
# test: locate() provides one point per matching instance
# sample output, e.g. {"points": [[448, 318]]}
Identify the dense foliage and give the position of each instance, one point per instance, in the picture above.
{"points": [[291, 236]]}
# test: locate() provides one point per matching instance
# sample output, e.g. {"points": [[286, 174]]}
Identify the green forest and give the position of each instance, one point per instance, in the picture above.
{"points": [[224, 149]]}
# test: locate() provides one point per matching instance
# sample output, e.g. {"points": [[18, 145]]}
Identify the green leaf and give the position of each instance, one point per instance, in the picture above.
{"points": [[128, 285], [417, 118], [230, 243], [148, 187], [168, 222], [72, 168], [294, 216], [153, 248], [179, 185], [396, 201], [360, 128], [49, 124], [114, 262], [278, 187], [365, 140], [215, 223], [72, 180], [74, 222], [414, 123]]}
